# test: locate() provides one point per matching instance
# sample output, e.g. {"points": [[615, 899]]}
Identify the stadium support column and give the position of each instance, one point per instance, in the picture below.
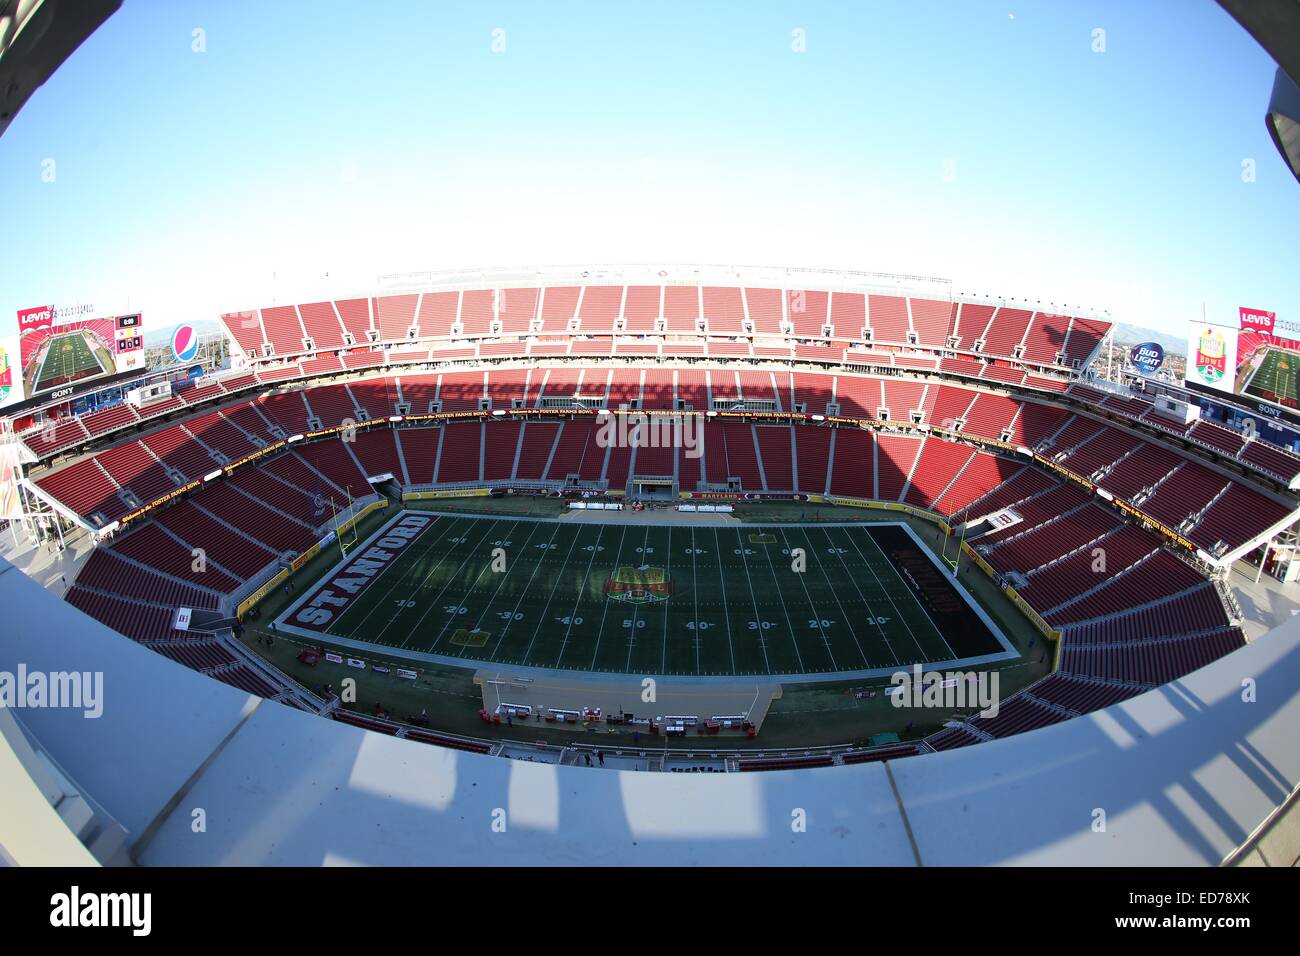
{"points": [[1263, 560]]}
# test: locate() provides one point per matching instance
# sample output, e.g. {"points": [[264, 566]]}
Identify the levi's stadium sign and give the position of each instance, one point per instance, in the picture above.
{"points": [[40, 316], [1147, 357], [1257, 320], [43, 316]]}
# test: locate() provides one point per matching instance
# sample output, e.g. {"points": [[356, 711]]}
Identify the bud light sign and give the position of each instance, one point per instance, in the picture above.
{"points": [[1147, 357]]}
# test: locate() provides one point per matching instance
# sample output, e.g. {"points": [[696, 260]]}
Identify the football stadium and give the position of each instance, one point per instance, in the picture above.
{"points": [[648, 555]]}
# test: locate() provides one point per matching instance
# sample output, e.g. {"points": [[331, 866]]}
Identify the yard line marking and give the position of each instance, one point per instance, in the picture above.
{"points": [[636, 608], [668, 573], [758, 621], [870, 610], [618, 558], [472, 588], [533, 526], [813, 607], [555, 584], [951, 654], [835, 594], [434, 603], [890, 599], [695, 589], [398, 581], [536, 567], [786, 611], [722, 578]]}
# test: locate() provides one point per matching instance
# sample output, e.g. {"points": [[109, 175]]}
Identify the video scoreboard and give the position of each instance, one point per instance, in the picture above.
{"points": [[64, 352], [128, 334]]}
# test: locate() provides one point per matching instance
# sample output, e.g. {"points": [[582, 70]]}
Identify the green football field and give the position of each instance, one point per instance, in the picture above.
{"points": [[652, 599], [69, 357], [1276, 378]]}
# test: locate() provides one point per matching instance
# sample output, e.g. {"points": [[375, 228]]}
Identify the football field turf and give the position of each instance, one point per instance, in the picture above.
{"points": [[69, 357], [646, 599], [1276, 378]]}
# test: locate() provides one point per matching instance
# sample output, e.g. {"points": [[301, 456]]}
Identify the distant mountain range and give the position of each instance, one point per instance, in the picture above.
{"points": [[1133, 334]]}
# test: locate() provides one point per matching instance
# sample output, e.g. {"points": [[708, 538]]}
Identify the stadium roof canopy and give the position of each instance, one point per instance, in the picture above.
{"points": [[1275, 25], [36, 36]]}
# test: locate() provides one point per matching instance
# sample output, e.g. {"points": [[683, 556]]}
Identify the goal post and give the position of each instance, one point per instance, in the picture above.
{"points": [[345, 525]]}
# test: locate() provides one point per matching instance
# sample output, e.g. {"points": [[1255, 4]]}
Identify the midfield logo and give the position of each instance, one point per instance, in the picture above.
{"points": [[639, 585]]}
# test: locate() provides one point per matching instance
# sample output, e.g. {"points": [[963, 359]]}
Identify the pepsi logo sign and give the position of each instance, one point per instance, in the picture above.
{"points": [[185, 343]]}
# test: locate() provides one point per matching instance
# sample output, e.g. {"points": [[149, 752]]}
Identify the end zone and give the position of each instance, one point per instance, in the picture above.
{"points": [[314, 612]]}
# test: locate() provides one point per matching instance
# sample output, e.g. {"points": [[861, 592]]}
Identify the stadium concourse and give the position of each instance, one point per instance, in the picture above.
{"points": [[977, 416]]}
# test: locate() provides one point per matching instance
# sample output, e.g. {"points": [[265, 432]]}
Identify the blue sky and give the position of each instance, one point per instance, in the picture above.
{"points": [[985, 142]]}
